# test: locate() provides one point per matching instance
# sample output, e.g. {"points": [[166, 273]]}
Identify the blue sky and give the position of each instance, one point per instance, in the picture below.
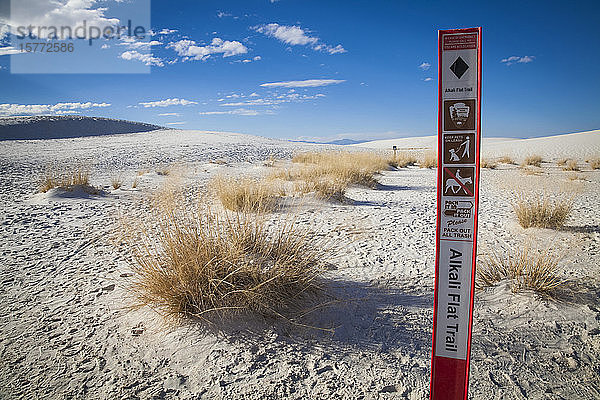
{"points": [[337, 69]]}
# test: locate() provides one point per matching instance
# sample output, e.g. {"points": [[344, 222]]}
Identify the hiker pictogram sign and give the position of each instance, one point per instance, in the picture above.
{"points": [[459, 148], [459, 137]]}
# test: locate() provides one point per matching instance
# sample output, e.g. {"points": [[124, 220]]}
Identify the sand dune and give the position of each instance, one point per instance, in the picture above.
{"points": [[66, 331], [581, 144]]}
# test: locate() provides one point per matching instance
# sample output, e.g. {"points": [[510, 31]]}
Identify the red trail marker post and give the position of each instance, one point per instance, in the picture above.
{"points": [[459, 137]]}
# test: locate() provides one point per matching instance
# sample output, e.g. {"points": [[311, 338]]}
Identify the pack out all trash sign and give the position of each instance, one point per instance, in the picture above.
{"points": [[459, 137]]}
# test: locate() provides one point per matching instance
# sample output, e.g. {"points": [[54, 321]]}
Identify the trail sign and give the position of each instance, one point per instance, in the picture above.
{"points": [[459, 137]]}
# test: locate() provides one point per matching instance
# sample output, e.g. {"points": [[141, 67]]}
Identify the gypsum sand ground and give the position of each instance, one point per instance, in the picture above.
{"points": [[66, 331]]}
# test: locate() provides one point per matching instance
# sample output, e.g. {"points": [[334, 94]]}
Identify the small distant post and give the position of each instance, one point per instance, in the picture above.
{"points": [[394, 148], [459, 137]]}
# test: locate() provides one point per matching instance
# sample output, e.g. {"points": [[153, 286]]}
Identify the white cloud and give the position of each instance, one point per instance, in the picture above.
{"points": [[58, 108], [222, 14], [257, 58], [44, 13], [135, 44], [425, 66], [176, 123], [517, 59], [167, 31], [239, 111], [255, 102], [188, 48], [305, 83], [168, 102], [428, 79], [169, 115], [295, 35], [147, 59]]}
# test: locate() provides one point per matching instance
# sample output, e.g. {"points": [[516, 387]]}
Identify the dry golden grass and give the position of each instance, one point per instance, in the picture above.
{"points": [[576, 177], [506, 160], [561, 162], [246, 194], [116, 182], [485, 163], [64, 178], [571, 165], [542, 211], [430, 160], [350, 168], [534, 160], [594, 162], [165, 171], [525, 268], [207, 266], [135, 183], [403, 160], [325, 189]]}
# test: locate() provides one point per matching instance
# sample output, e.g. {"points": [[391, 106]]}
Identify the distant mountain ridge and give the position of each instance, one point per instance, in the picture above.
{"points": [[68, 126]]}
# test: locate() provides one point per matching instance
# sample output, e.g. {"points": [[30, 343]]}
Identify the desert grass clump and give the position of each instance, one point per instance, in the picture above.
{"points": [[571, 165], [485, 163], [506, 160], [351, 168], [324, 189], [210, 266], [594, 162], [541, 211], [430, 160], [533, 160], [116, 182], [64, 179], [403, 160], [247, 194], [525, 269]]}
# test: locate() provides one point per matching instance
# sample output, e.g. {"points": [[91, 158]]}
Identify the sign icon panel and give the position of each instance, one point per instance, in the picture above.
{"points": [[459, 181], [459, 115], [459, 148], [459, 67]]}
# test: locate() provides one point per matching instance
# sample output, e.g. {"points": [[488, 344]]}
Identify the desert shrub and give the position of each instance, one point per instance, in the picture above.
{"points": [[350, 168], [116, 182], [324, 188], [524, 268], [533, 160], [542, 211], [403, 160], [64, 178], [485, 163], [571, 165], [561, 162], [246, 194], [430, 160], [506, 160], [594, 162], [575, 177], [164, 170], [207, 265]]}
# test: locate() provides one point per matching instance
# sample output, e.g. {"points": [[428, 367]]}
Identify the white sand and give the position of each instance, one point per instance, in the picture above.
{"points": [[65, 331], [574, 145]]}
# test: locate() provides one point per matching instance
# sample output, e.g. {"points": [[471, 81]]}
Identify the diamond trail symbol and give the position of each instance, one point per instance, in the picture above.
{"points": [[459, 67]]}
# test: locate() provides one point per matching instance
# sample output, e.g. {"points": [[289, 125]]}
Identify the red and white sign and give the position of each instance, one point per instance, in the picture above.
{"points": [[459, 137]]}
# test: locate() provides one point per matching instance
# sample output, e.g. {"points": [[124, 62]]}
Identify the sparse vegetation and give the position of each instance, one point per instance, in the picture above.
{"points": [[541, 211], [135, 183], [533, 160], [65, 179], [163, 171], [575, 177], [506, 160], [209, 265], [561, 162], [403, 160], [246, 194], [485, 163], [594, 162], [430, 160], [325, 189], [571, 165], [116, 182], [349, 168], [524, 268]]}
